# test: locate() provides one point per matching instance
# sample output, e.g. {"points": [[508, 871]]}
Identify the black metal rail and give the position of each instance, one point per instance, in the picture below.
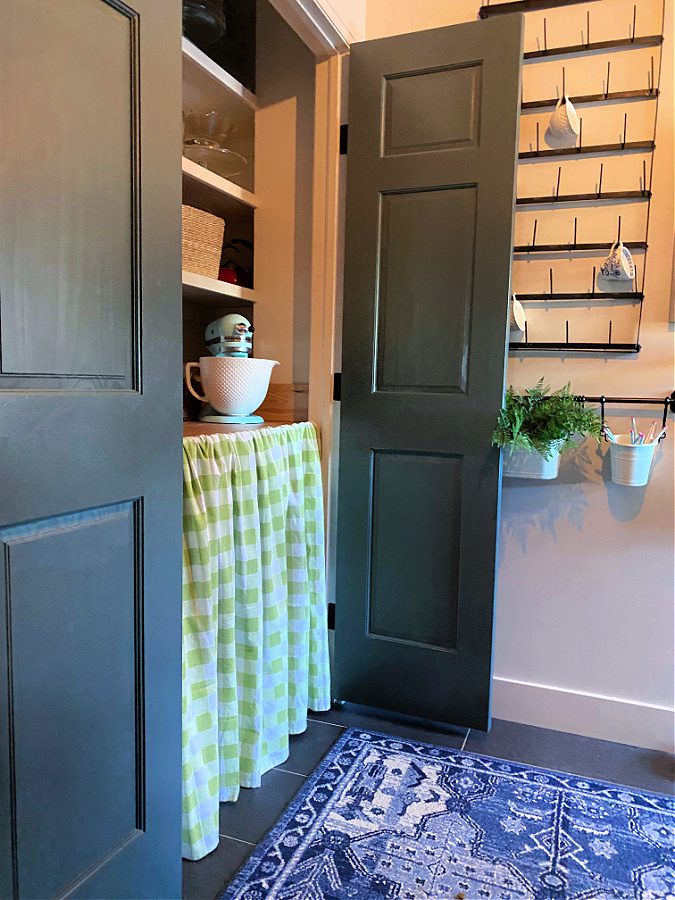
{"points": [[638, 94], [572, 248], [639, 41], [583, 198], [496, 9], [627, 147], [588, 295], [567, 346]]}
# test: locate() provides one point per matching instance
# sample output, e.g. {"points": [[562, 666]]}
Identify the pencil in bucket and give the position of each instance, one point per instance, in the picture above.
{"points": [[630, 462]]}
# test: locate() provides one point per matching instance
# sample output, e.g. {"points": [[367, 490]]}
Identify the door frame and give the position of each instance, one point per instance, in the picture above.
{"points": [[320, 28]]}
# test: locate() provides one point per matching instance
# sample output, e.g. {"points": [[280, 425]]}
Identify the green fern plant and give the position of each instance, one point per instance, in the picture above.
{"points": [[535, 419]]}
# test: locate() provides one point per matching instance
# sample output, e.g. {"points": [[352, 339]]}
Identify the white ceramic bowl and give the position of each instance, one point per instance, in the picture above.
{"points": [[233, 386]]}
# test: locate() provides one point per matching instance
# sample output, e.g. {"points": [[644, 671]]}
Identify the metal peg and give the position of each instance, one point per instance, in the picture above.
{"points": [[600, 180], [534, 233], [632, 34]]}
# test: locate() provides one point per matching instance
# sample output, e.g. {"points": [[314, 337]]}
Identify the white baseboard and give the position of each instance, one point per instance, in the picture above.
{"points": [[593, 715]]}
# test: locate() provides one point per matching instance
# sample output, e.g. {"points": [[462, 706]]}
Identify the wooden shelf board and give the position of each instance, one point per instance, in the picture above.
{"points": [[210, 291], [218, 74], [218, 195]]}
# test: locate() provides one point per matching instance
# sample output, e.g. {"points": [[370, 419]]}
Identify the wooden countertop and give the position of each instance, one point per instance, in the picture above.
{"points": [[195, 429]]}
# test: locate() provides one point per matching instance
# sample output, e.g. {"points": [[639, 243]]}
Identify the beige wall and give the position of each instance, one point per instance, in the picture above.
{"points": [[350, 15], [284, 148], [585, 635]]}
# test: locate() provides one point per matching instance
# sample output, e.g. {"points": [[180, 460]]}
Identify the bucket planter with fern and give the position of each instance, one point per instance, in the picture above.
{"points": [[536, 426]]}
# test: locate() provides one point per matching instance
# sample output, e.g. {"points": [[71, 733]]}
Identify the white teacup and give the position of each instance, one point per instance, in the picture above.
{"points": [[563, 127], [619, 265]]}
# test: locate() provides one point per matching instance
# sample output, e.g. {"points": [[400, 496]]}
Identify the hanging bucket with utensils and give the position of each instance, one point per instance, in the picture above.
{"points": [[631, 463]]}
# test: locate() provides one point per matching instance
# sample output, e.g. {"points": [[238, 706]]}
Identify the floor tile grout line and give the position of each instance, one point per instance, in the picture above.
{"points": [[323, 722], [289, 771], [466, 738], [231, 837]]}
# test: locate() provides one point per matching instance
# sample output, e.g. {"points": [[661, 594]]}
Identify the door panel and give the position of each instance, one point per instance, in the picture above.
{"points": [[437, 230], [433, 121], [90, 465], [68, 249], [415, 555], [454, 89], [80, 689]]}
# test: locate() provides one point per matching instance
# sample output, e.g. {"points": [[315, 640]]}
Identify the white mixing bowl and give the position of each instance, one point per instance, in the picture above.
{"points": [[233, 386]]}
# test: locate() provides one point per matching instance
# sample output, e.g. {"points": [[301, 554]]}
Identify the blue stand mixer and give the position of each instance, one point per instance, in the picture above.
{"points": [[229, 336]]}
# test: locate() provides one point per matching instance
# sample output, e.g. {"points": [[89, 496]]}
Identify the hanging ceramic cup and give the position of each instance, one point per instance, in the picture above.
{"points": [[563, 127], [517, 317], [619, 265]]}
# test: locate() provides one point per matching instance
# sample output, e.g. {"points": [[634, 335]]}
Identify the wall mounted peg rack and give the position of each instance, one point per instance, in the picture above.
{"points": [[643, 193], [668, 404]]}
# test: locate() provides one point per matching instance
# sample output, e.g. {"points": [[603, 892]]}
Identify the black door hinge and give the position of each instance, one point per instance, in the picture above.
{"points": [[344, 137], [337, 385], [331, 617]]}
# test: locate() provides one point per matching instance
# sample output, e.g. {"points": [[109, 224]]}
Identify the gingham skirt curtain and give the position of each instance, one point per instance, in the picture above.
{"points": [[255, 645]]}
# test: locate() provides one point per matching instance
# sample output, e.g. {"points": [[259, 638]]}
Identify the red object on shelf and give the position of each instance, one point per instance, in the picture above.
{"points": [[229, 273]]}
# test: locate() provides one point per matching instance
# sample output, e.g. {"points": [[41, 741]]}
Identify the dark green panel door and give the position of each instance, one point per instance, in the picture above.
{"points": [[90, 471], [433, 127]]}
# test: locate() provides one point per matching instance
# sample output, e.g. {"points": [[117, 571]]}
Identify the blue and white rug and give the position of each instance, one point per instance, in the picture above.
{"points": [[385, 817]]}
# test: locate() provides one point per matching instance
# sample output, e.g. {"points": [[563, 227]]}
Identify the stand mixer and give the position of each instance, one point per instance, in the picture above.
{"points": [[231, 337]]}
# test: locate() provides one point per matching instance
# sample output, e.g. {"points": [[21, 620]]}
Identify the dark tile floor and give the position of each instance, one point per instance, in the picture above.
{"points": [[244, 823]]}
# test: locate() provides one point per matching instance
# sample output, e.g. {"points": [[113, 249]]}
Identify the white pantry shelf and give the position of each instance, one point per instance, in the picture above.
{"points": [[210, 291], [222, 197], [216, 73]]}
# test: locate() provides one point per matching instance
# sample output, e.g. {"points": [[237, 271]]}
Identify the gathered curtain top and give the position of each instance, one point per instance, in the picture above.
{"points": [[218, 446]]}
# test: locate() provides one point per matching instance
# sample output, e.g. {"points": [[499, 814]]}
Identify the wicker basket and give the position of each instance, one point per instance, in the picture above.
{"points": [[202, 241]]}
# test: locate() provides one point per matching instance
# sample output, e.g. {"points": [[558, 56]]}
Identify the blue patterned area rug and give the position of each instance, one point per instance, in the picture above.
{"points": [[385, 817]]}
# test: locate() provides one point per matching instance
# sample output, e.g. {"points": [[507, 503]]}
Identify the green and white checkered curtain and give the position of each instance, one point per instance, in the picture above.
{"points": [[255, 643]]}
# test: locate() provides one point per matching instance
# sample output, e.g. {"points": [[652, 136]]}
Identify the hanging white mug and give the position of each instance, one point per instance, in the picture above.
{"points": [[517, 317], [619, 265], [563, 127]]}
